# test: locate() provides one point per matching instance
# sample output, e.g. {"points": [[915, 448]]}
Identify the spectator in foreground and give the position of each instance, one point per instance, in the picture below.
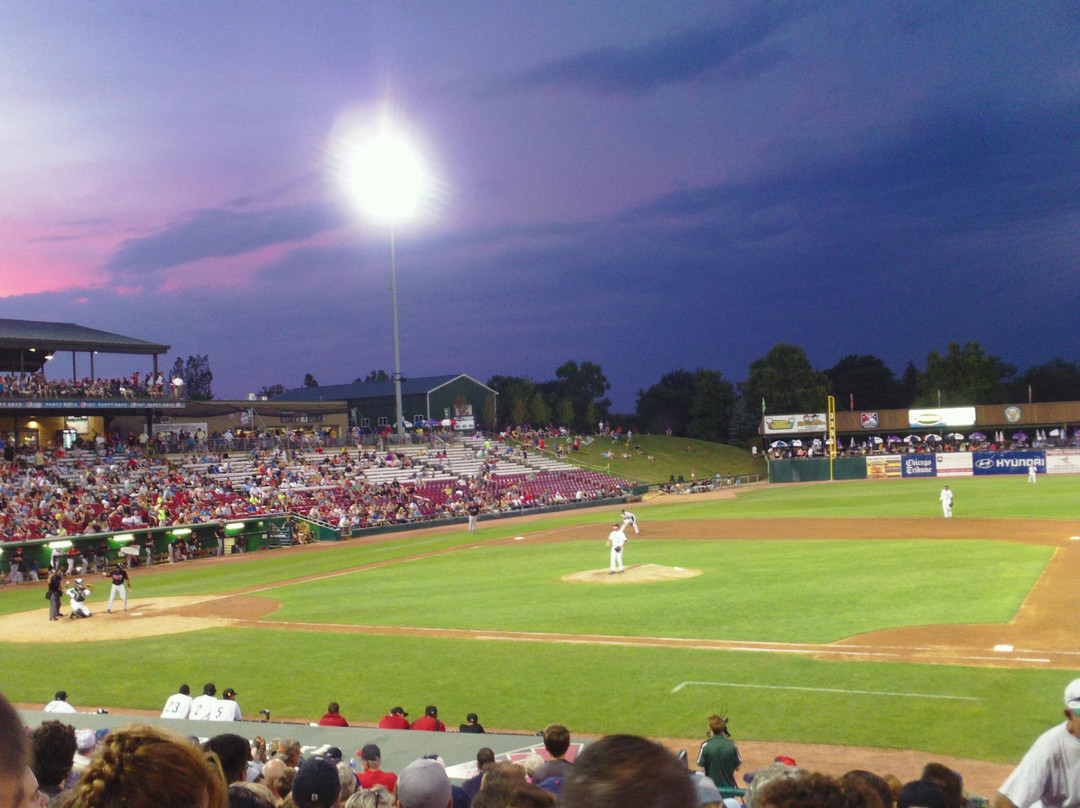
{"points": [[234, 754], [54, 747], [557, 744], [484, 758], [815, 790], [1050, 771], [424, 784], [139, 766], [317, 784], [18, 785], [373, 775], [627, 771]]}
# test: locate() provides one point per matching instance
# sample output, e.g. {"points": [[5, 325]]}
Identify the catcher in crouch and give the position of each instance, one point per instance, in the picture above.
{"points": [[77, 593]]}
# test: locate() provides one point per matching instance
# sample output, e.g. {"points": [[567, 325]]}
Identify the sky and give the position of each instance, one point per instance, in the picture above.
{"points": [[648, 186]]}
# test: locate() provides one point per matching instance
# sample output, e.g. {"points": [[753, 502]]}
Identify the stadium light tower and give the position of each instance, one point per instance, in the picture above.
{"points": [[387, 179]]}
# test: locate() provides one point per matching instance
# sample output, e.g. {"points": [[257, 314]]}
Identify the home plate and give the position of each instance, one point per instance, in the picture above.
{"points": [[1004, 649]]}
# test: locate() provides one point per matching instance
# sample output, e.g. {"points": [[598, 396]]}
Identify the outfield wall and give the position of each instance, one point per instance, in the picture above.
{"points": [[925, 464]]}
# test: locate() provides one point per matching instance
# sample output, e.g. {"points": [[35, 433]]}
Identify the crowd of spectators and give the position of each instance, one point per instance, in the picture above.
{"points": [[35, 386], [913, 444], [55, 493]]}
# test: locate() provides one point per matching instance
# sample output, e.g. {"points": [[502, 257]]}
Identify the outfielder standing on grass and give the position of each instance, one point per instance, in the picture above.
{"points": [[121, 582], [616, 540]]}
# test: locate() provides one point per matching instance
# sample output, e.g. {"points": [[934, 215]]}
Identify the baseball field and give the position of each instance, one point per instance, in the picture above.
{"points": [[839, 614]]}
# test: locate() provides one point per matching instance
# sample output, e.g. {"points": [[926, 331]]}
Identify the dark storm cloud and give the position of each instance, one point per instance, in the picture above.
{"points": [[736, 46], [220, 232]]}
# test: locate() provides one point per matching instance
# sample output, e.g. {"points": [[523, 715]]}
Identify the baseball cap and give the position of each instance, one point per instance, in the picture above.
{"points": [[431, 710], [316, 783], [85, 740], [399, 711], [61, 695], [334, 754], [423, 784], [1072, 695], [707, 792], [472, 718], [209, 689], [370, 752], [229, 692]]}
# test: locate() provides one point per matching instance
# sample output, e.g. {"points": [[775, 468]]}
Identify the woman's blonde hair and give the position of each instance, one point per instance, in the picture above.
{"points": [[139, 766]]}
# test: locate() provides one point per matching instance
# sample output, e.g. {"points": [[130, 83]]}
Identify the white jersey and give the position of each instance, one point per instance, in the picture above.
{"points": [[226, 710], [58, 706], [946, 496], [1049, 774], [629, 517], [617, 538], [202, 708], [178, 706]]}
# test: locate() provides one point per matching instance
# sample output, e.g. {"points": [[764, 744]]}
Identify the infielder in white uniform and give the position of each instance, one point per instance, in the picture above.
{"points": [[178, 705], [946, 502], [629, 519], [616, 540]]}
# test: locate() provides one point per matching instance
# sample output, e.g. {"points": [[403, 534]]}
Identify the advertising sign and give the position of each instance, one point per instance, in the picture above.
{"points": [[789, 424], [954, 464], [918, 465], [878, 467], [948, 416], [1063, 463], [1008, 462], [868, 420]]}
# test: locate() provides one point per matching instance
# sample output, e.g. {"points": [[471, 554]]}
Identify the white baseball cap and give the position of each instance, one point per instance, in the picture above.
{"points": [[1072, 695]]}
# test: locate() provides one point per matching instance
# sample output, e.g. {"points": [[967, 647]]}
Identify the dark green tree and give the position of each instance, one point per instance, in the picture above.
{"points": [[964, 376], [515, 393], [197, 376], [908, 388], [309, 381], [1056, 380], [865, 379], [539, 411], [271, 390], [375, 376], [710, 408], [786, 382], [744, 420], [584, 385], [666, 405]]}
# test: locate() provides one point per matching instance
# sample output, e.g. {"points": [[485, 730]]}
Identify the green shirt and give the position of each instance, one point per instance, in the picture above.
{"points": [[719, 758]]}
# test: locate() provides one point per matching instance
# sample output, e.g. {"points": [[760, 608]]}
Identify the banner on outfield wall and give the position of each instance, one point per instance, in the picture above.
{"points": [[790, 424], [1008, 462], [878, 467], [1063, 463], [918, 465], [948, 416], [954, 464]]}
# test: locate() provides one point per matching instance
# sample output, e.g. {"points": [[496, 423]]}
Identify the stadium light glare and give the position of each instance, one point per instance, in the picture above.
{"points": [[181, 531], [387, 180], [59, 545], [234, 526], [123, 538]]}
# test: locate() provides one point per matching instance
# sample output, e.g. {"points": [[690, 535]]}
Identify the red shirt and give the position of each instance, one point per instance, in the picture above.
{"points": [[394, 721], [430, 724], [333, 720], [377, 777]]}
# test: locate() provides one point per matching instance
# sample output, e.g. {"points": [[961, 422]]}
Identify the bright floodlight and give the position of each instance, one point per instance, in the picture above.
{"points": [[387, 177]]}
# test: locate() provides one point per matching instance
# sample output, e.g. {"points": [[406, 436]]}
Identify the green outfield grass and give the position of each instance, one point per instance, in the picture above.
{"points": [[840, 589], [812, 591]]}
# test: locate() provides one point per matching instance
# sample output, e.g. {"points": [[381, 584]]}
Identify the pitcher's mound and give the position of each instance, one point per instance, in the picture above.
{"points": [[636, 574]]}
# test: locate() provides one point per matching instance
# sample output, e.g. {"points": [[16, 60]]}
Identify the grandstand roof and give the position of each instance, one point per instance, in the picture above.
{"points": [[351, 392], [26, 344]]}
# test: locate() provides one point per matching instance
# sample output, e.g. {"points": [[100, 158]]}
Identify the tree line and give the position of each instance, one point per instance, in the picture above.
{"points": [[702, 404]]}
